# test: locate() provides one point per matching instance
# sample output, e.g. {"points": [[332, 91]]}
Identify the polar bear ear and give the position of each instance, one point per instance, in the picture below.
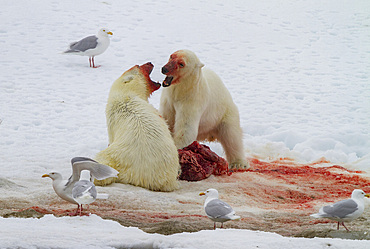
{"points": [[201, 65], [127, 78]]}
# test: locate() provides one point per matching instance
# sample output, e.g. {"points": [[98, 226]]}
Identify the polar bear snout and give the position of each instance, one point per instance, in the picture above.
{"points": [[172, 66], [164, 70], [168, 70]]}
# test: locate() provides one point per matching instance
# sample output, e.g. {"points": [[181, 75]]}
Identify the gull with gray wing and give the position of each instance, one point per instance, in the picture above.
{"points": [[84, 191], [91, 46], [344, 210], [217, 210], [63, 188]]}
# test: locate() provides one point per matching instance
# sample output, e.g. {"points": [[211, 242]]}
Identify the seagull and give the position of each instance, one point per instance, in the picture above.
{"points": [[217, 210], [344, 210], [63, 188], [84, 191], [91, 46]]}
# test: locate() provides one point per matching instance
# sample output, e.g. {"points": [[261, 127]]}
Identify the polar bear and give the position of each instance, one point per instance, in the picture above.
{"points": [[140, 147], [197, 106]]}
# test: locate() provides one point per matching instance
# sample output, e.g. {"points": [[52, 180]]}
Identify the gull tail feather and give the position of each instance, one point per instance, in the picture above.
{"points": [[316, 215], [235, 217], [102, 196]]}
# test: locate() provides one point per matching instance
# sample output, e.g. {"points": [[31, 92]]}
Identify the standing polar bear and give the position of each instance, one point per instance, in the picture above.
{"points": [[197, 106], [140, 147]]}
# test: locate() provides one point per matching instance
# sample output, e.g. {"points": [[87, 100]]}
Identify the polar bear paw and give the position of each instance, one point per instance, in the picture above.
{"points": [[239, 165]]}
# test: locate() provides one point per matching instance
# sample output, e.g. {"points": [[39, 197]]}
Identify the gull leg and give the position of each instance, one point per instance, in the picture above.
{"points": [[338, 226], [93, 62], [88, 210], [76, 212], [214, 226], [345, 227], [222, 225], [90, 61], [80, 209]]}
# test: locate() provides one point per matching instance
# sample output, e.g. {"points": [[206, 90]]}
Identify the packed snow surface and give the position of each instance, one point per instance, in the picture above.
{"points": [[94, 232], [297, 70]]}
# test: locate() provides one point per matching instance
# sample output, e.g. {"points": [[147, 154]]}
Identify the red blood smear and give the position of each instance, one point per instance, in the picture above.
{"points": [[173, 63], [282, 185], [306, 184], [287, 184]]}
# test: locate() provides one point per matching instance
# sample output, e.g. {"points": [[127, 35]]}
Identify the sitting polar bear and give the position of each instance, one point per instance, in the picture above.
{"points": [[197, 106], [141, 146]]}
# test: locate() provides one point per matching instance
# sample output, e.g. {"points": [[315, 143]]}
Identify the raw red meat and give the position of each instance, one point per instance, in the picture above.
{"points": [[198, 162]]}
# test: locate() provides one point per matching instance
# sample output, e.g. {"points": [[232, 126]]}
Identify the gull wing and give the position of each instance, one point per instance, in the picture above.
{"points": [[217, 208], [82, 187], [87, 43], [340, 209], [97, 170]]}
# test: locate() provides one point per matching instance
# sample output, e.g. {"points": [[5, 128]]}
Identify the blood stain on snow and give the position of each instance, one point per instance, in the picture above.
{"points": [[305, 184], [285, 190]]}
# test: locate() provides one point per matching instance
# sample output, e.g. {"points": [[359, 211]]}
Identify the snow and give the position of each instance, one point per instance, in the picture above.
{"points": [[297, 70], [94, 232]]}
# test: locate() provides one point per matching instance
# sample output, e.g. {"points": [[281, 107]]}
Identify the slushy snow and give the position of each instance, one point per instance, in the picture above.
{"points": [[297, 70]]}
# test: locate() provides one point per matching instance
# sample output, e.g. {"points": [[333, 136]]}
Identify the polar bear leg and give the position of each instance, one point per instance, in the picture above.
{"points": [[168, 113], [230, 137], [186, 127]]}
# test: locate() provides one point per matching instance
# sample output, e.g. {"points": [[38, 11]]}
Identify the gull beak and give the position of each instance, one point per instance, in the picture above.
{"points": [[367, 195], [46, 175], [109, 33], [202, 193]]}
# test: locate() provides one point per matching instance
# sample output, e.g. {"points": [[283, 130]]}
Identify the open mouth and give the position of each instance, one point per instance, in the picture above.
{"points": [[155, 86], [167, 81], [147, 67]]}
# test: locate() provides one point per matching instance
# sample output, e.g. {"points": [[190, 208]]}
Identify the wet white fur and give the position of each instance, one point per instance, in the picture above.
{"points": [[141, 147], [199, 107]]}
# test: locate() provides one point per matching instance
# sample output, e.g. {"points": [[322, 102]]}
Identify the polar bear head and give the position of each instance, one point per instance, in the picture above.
{"points": [[137, 80], [182, 64]]}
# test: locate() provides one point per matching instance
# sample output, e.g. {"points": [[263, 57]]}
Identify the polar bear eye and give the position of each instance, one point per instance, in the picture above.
{"points": [[181, 64]]}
